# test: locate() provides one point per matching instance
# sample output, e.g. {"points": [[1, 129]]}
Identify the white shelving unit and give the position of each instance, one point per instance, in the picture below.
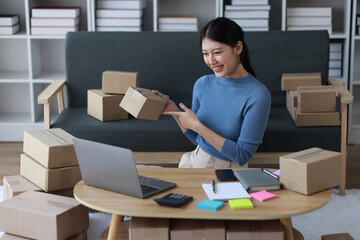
{"points": [[354, 83], [29, 63]]}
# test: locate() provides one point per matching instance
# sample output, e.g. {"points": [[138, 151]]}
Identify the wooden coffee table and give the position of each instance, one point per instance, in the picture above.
{"points": [[189, 182]]}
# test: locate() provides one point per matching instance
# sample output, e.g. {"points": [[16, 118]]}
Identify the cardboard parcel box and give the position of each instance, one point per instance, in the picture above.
{"points": [[291, 81], [52, 148], [143, 104], [267, 229], [117, 82], [105, 107], [149, 228], [311, 170], [7, 236], [291, 103], [317, 119], [49, 179], [181, 229], [14, 185], [316, 99], [39, 215]]}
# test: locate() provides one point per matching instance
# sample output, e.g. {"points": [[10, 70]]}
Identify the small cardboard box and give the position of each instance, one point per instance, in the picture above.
{"points": [[39, 215], [337, 236], [143, 104], [269, 229], [49, 179], [7, 236], [105, 107], [311, 170], [317, 119], [291, 81], [197, 229], [117, 82], [291, 102], [149, 228], [52, 148], [316, 99], [16, 184]]}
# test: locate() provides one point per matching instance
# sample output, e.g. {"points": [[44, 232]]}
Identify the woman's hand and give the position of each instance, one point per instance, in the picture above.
{"points": [[170, 105], [186, 119]]}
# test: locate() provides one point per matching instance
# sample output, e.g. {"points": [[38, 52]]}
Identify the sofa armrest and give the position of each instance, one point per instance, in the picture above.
{"points": [[45, 97], [344, 95]]}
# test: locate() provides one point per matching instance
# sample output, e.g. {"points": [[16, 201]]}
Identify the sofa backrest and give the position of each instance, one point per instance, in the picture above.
{"points": [[171, 62]]}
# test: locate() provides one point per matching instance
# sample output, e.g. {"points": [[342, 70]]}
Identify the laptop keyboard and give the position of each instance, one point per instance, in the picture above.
{"points": [[147, 189]]}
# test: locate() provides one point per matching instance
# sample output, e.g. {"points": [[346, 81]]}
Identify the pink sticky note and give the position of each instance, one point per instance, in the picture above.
{"points": [[263, 195]]}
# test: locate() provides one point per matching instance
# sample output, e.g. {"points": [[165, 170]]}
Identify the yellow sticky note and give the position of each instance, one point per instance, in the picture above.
{"points": [[240, 203]]}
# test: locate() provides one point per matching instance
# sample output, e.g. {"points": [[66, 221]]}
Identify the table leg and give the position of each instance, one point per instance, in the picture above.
{"points": [[114, 225], [288, 228]]}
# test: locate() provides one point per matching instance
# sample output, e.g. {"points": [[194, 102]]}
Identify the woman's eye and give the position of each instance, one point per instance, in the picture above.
{"points": [[217, 53], [205, 54]]}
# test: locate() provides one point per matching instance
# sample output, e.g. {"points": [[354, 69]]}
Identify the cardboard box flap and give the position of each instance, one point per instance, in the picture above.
{"points": [[52, 137], [149, 94], [311, 155]]}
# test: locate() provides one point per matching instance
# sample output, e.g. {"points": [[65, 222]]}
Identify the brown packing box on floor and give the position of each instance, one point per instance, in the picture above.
{"points": [[41, 215], [311, 170], [291, 81], [105, 107], [117, 82], [7, 236], [181, 229], [53, 148], [317, 119], [16, 184], [248, 230], [337, 236], [49, 179], [291, 102], [149, 228], [316, 99], [143, 104]]}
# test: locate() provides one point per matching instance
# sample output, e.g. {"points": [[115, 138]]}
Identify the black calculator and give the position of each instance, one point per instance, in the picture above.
{"points": [[173, 200]]}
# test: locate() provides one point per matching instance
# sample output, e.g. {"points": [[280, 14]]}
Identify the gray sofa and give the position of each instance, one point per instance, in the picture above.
{"points": [[171, 62]]}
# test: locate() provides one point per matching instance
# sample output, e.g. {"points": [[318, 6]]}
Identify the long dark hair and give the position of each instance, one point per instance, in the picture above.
{"points": [[226, 31]]}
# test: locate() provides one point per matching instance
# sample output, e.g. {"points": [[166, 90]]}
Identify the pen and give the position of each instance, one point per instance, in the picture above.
{"points": [[213, 186], [269, 173]]}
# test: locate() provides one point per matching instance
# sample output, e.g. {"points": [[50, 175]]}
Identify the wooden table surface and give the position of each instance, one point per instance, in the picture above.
{"points": [[189, 182]]}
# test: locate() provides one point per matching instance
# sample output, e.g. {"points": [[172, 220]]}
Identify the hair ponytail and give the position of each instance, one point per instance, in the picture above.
{"points": [[228, 32]]}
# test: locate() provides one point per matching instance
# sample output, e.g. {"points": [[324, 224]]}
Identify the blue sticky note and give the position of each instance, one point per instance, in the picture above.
{"points": [[210, 205]]}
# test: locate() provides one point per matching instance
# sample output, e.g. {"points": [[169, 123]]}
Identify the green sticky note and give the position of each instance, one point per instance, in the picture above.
{"points": [[240, 203]]}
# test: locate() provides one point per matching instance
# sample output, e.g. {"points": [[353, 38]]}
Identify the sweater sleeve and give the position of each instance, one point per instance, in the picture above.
{"points": [[252, 130]]}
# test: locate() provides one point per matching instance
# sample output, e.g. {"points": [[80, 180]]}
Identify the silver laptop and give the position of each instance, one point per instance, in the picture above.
{"points": [[113, 168]]}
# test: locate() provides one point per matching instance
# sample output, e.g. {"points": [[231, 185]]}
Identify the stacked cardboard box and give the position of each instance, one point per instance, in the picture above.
{"points": [[49, 160], [309, 103], [121, 95]]}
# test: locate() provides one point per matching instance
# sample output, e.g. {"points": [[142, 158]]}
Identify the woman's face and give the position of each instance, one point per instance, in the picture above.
{"points": [[221, 58]]}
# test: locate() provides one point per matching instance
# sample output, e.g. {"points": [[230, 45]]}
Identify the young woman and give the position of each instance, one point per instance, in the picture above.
{"points": [[230, 108]]}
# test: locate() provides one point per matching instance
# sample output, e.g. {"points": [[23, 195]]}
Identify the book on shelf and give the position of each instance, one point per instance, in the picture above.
{"points": [[55, 12], [9, 30], [246, 14], [309, 21], [335, 63], [335, 47], [255, 29], [308, 11], [333, 72], [121, 29], [54, 22], [247, 7], [251, 22], [249, 2], [255, 180], [302, 28], [225, 191], [178, 19], [335, 56], [53, 30], [118, 22], [119, 13], [178, 27], [121, 4], [8, 20]]}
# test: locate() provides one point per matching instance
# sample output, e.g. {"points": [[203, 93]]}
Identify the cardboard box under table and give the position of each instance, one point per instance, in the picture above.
{"points": [[39, 215], [105, 107], [291, 81], [7, 236], [311, 170], [49, 179], [316, 99], [117, 82], [149, 228], [248, 230], [143, 104], [52, 148], [197, 229]]}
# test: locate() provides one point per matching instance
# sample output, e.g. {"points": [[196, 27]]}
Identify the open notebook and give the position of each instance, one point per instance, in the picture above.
{"points": [[226, 191]]}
